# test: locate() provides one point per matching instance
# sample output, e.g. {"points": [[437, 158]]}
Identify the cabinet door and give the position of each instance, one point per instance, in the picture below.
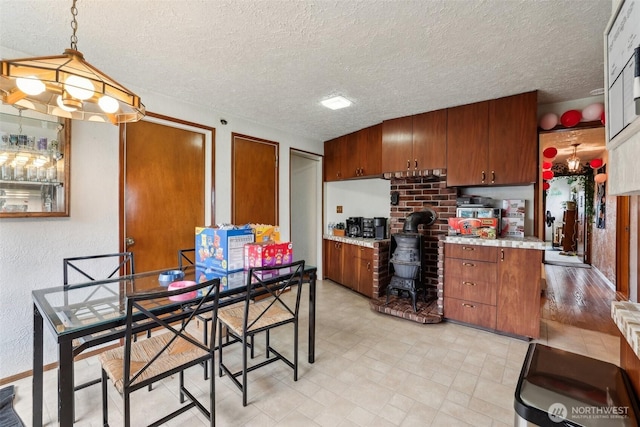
{"points": [[397, 144], [333, 155], [351, 156], [513, 139], [518, 307], [365, 280], [430, 140], [471, 252], [370, 150], [467, 147], [334, 260], [350, 266]]}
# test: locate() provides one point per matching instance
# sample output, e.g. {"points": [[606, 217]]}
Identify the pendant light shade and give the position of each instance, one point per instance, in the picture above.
{"points": [[67, 86], [573, 162]]}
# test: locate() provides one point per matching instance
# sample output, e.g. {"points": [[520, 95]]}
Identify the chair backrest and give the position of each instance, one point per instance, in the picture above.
{"points": [[174, 342], [270, 283], [97, 267], [186, 257]]}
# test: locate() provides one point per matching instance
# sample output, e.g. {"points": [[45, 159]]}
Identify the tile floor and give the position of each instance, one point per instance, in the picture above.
{"points": [[370, 370]]}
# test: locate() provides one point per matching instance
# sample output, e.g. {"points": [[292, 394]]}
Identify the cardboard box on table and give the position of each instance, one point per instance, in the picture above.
{"points": [[267, 254], [222, 249]]}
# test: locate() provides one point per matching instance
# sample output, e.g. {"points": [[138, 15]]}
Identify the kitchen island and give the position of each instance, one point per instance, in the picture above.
{"points": [[493, 284], [626, 316]]}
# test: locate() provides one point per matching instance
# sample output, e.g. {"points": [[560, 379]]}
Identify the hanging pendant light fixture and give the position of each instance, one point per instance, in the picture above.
{"points": [[573, 162], [68, 86]]}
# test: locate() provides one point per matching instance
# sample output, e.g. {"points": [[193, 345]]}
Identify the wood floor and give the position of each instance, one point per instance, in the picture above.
{"points": [[578, 297]]}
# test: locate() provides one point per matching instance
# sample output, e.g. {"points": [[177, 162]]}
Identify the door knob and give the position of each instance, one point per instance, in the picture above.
{"points": [[128, 241]]}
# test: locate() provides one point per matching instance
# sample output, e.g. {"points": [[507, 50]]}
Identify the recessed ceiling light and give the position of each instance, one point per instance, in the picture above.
{"points": [[336, 102]]}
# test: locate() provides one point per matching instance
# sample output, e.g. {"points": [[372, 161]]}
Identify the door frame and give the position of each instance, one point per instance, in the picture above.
{"points": [[623, 242], [209, 177]]}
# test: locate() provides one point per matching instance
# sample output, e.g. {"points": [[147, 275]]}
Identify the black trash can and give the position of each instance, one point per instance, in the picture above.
{"points": [[560, 388]]}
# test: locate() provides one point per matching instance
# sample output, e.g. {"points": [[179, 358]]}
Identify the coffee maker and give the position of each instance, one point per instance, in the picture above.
{"points": [[380, 228]]}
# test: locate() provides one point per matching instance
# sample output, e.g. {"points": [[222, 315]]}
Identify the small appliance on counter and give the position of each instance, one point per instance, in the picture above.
{"points": [[380, 228], [368, 230], [354, 226]]}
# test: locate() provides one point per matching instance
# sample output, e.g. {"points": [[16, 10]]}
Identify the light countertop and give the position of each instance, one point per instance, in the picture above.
{"points": [[626, 316], [359, 241], [506, 242]]}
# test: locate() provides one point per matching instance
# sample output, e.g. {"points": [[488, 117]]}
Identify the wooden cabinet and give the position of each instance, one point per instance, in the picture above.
{"points": [[569, 231], [493, 142], [415, 143], [495, 288], [356, 155], [334, 154], [333, 260], [350, 265], [363, 153], [470, 288], [519, 292]]}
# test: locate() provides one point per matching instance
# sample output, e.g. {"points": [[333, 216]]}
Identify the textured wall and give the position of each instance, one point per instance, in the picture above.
{"points": [[603, 242]]}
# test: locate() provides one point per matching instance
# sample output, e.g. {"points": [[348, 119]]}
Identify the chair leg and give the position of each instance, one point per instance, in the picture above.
{"points": [[267, 342], [105, 409], [219, 351], [205, 339], [244, 369], [181, 386], [212, 396], [295, 350], [127, 409]]}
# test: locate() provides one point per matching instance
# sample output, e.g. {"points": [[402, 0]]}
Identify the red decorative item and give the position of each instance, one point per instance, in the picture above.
{"points": [[602, 118], [546, 166], [550, 153], [546, 186], [571, 118], [547, 175], [596, 163]]}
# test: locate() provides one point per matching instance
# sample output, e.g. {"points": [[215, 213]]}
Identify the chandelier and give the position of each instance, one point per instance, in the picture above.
{"points": [[573, 162], [67, 86]]}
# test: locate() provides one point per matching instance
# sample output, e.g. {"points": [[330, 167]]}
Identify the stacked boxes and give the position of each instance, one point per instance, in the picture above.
{"points": [[485, 228], [221, 249], [513, 214], [266, 254], [265, 233]]}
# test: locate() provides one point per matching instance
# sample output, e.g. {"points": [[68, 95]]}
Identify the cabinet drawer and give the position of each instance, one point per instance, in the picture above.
{"points": [[472, 290], [471, 252], [470, 312], [470, 270]]}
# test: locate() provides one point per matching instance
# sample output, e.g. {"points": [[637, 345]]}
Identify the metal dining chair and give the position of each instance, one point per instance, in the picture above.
{"points": [[264, 309], [140, 363]]}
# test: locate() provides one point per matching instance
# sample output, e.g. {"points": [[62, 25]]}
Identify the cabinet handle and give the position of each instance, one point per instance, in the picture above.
{"points": [[483, 176], [361, 171], [468, 264], [468, 248], [493, 177], [468, 283], [464, 304], [408, 164], [415, 163], [368, 266], [501, 254]]}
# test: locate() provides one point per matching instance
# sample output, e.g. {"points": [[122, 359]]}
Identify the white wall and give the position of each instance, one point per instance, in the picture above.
{"points": [[365, 197], [31, 249]]}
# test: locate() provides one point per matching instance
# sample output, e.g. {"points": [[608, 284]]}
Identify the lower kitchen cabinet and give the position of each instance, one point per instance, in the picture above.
{"points": [[493, 287], [350, 266]]}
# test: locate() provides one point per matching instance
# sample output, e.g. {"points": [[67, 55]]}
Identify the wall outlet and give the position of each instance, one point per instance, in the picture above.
{"points": [[338, 209]]}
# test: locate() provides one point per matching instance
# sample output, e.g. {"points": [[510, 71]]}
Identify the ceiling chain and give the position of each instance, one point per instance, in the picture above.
{"points": [[74, 26]]}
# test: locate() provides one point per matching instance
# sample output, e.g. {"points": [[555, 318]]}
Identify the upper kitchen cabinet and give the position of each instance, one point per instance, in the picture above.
{"points": [[493, 142], [415, 143], [34, 164], [364, 153], [334, 154], [356, 155]]}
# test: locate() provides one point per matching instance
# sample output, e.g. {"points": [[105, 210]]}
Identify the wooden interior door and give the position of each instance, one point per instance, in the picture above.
{"points": [[163, 177], [623, 244], [254, 181]]}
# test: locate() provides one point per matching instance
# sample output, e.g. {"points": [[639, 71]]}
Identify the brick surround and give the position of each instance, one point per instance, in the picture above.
{"points": [[415, 193]]}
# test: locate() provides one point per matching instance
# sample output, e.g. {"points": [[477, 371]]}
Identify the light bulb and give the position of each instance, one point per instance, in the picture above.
{"points": [[108, 104], [64, 107], [30, 85], [79, 87]]}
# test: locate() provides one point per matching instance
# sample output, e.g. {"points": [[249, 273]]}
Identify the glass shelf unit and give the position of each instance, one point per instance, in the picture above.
{"points": [[34, 164]]}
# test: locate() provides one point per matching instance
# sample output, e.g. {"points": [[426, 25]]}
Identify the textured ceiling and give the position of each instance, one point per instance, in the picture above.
{"points": [[272, 62]]}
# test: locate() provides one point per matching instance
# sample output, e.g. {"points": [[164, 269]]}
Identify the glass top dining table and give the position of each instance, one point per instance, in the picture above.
{"points": [[98, 308]]}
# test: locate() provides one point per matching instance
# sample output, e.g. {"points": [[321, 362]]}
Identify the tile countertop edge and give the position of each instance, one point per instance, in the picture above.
{"points": [[359, 241], [507, 242], [626, 316]]}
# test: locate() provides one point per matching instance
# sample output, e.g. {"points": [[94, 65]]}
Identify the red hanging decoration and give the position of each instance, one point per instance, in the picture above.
{"points": [[547, 175], [546, 186], [546, 166], [596, 163], [550, 153]]}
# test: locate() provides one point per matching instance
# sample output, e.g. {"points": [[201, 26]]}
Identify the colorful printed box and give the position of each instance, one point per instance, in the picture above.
{"points": [[485, 228], [222, 249], [267, 254], [512, 227], [513, 208]]}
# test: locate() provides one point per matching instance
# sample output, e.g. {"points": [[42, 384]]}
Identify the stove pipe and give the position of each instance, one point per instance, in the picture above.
{"points": [[426, 217]]}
